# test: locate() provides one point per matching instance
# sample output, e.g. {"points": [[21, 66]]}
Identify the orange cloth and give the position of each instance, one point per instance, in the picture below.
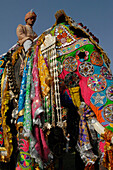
{"points": [[25, 32], [97, 113]]}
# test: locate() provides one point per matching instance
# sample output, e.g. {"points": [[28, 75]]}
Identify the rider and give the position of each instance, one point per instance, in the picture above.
{"points": [[25, 33]]}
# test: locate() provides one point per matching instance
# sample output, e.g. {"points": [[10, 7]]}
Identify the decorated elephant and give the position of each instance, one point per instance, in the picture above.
{"points": [[64, 100]]}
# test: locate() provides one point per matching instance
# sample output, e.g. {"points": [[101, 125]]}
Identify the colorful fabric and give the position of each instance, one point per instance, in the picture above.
{"points": [[27, 124], [83, 145], [41, 145], [1, 128], [108, 150], [24, 158], [21, 102], [37, 103], [6, 146], [43, 74]]}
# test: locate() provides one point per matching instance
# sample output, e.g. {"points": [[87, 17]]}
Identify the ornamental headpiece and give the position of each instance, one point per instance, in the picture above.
{"points": [[62, 17], [59, 14]]}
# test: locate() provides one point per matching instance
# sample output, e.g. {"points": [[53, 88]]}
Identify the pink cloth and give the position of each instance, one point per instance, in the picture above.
{"points": [[37, 100], [41, 145]]}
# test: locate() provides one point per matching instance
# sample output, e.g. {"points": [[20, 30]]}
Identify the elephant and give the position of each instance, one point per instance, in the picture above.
{"points": [[63, 100]]}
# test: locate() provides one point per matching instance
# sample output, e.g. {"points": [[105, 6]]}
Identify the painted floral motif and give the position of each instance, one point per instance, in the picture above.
{"points": [[97, 83], [109, 93], [25, 161], [86, 69], [106, 73], [70, 64], [98, 99], [108, 112], [96, 59]]}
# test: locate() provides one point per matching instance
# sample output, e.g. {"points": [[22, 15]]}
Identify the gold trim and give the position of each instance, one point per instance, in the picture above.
{"points": [[21, 113], [19, 125], [8, 147], [3, 149], [16, 55]]}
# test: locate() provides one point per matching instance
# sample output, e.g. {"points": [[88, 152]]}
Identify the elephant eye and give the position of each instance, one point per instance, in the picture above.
{"points": [[82, 55]]}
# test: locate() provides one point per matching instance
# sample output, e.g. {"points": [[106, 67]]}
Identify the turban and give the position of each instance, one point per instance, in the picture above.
{"points": [[30, 14]]}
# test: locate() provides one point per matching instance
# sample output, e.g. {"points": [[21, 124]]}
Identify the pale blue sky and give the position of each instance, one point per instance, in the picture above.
{"points": [[97, 15]]}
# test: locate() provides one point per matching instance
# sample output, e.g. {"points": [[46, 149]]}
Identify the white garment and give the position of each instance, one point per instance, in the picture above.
{"points": [[27, 44]]}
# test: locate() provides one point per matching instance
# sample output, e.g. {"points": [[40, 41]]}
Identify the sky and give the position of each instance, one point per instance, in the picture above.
{"points": [[97, 15]]}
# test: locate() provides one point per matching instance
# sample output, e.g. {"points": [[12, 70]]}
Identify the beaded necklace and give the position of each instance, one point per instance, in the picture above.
{"points": [[49, 52]]}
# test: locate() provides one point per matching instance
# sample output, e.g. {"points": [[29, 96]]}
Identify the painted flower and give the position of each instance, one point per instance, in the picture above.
{"points": [[68, 40], [59, 36], [63, 40], [60, 31], [64, 34]]}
